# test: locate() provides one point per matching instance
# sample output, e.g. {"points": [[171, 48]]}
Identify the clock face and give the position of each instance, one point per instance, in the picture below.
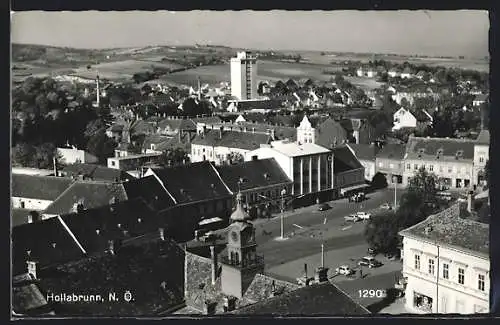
{"points": [[234, 236]]}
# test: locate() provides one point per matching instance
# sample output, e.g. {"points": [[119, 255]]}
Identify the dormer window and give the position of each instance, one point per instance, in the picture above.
{"points": [[153, 146]]}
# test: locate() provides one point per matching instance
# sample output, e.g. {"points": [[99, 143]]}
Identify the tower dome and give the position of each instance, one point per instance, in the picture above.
{"points": [[239, 214]]}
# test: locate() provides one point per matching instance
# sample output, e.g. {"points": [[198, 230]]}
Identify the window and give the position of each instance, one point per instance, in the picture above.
{"points": [[112, 163], [380, 164], [440, 169], [408, 166], [446, 271], [417, 262], [431, 168], [481, 159], [431, 266], [450, 170], [480, 282], [461, 276], [415, 167]]}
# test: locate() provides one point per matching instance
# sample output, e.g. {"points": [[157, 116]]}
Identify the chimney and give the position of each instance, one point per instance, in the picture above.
{"points": [[214, 264], [32, 268], [111, 247], [470, 201], [221, 129], [54, 161], [162, 233], [321, 275]]}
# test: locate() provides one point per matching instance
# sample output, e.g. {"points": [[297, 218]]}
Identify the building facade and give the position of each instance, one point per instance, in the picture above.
{"points": [[403, 118], [389, 162], [451, 160], [244, 76], [446, 264]]}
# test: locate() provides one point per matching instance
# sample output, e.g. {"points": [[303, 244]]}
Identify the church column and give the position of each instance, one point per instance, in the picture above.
{"points": [[319, 173], [310, 175], [301, 175]]}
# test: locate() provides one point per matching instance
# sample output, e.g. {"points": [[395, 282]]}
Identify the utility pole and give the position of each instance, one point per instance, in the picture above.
{"points": [[395, 180], [282, 213]]}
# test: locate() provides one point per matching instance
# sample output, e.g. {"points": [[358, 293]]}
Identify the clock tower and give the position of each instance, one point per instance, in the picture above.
{"points": [[242, 263]]}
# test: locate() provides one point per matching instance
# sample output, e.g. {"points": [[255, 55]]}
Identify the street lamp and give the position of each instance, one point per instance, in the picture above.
{"points": [[395, 181], [283, 192]]}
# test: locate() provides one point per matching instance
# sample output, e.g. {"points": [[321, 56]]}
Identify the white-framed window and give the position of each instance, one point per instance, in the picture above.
{"points": [[113, 163], [461, 275], [480, 281], [440, 169], [450, 170], [417, 262], [431, 168], [380, 164], [431, 266], [446, 271], [415, 167], [481, 159], [391, 166]]}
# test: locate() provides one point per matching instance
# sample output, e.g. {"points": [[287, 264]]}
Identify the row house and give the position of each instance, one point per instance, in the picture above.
{"points": [[446, 264], [451, 160], [366, 154], [389, 162]]}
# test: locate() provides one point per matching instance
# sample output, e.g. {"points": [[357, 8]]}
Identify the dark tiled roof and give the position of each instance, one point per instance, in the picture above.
{"points": [[39, 187], [344, 160], [177, 124], [152, 272], [429, 147], [134, 216], [207, 120], [392, 151], [150, 190], [154, 139], [317, 299], [330, 131], [93, 194], [27, 298], [254, 174], [448, 228], [19, 216], [364, 151], [39, 238], [233, 139], [193, 182], [96, 172]]}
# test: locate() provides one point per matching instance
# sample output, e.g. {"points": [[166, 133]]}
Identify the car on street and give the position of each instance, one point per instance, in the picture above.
{"points": [[364, 215], [324, 207], [369, 261], [344, 270], [352, 217], [386, 206]]}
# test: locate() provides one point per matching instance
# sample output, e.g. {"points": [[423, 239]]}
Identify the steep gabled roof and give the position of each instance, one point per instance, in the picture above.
{"points": [[364, 151], [39, 187], [96, 172], [151, 191], [392, 151], [253, 174], [344, 160], [317, 299], [92, 194], [193, 182], [47, 242], [483, 137]]}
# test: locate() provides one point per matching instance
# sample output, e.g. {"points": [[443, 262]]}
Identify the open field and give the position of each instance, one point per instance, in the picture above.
{"points": [[122, 69]]}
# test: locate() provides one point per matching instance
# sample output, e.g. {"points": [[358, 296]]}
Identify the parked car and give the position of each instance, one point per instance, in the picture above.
{"points": [[369, 261], [324, 207], [344, 270], [358, 197], [352, 217], [386, 206], [364, 215]]}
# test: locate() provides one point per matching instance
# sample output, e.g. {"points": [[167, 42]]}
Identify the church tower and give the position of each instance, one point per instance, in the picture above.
{"points": [[305, 132], [242, 263]]}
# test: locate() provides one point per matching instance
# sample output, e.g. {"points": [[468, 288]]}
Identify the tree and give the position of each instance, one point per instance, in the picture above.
{"points": [[379, 181], [173, 157], [44, 155], [22, 155], [424, 184], [381, 233], [101, 146]]}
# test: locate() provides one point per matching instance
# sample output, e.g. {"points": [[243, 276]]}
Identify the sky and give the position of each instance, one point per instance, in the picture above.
{"points": [[446, 33]]}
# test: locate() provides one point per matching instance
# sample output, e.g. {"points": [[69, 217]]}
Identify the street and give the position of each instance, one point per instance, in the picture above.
{"points": [[306, 229]]}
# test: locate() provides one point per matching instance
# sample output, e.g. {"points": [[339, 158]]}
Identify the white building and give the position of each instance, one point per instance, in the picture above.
{"points": [[446, 264], [305, 132], [481, 156], [73, 155], [244, 76], [403, 118], [308, 165]]}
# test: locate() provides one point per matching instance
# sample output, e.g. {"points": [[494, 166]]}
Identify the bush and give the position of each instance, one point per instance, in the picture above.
{"points": [[379, 181]]}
